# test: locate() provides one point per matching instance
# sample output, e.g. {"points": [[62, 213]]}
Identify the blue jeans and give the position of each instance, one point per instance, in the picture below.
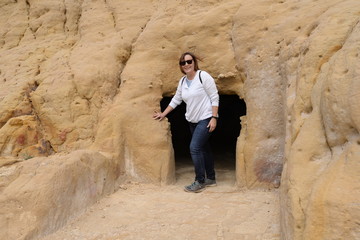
{"points": [[200, 150]]}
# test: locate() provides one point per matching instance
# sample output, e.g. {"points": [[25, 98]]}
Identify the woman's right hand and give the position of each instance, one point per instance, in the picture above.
{"points": [[158, 115]]}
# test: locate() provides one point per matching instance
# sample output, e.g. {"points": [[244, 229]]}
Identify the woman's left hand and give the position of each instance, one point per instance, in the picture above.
{"points": [[212, 124]]}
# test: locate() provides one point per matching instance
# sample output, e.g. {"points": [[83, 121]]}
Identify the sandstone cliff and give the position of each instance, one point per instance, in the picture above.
{"points": [[80, 80]]}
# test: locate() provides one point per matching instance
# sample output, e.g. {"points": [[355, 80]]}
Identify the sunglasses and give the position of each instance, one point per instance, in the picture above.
{"points": [[182, 63]]}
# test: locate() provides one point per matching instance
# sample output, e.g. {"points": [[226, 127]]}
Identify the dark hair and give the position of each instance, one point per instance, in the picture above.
{"points": [[182, 58]]}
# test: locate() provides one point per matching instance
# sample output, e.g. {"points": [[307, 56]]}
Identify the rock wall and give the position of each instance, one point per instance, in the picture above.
{"points": [[39, 196], [80, 80], [312, 47]]}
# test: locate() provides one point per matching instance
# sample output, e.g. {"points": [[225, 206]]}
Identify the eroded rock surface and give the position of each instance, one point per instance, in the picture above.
{"points": [[80, 80]]}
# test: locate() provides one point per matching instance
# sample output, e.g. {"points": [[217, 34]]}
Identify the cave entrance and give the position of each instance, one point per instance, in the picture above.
{"points": [[223, 141]]}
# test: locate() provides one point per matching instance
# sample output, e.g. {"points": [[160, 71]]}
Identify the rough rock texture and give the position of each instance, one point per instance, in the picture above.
{"points": [[38, 196], [80, 80]]}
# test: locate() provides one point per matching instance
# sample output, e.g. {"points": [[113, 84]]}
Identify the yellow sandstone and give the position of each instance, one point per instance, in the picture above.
{"points": [[79, 81]]}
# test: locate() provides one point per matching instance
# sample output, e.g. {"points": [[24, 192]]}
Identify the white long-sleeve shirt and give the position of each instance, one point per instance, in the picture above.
{"points": [[199, 97]]}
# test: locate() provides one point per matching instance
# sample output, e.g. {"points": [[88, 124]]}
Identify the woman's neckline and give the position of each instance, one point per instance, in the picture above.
{"points": [[187, 77]]}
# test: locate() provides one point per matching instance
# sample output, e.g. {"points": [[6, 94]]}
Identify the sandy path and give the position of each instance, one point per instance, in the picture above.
{"points": [[145, 211]]}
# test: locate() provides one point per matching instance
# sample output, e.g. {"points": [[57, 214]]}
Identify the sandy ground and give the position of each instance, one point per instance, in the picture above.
{"points": [[145, 211]]}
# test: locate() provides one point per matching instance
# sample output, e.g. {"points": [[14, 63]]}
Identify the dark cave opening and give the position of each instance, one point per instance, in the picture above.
{"points": [[224, 139]]}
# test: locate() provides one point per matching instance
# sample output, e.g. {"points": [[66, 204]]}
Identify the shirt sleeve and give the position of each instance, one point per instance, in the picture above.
{"points": [[210, 88], [177, 99]]}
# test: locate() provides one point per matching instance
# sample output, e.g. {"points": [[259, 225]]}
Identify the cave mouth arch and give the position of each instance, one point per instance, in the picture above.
{"points": [[223, 141]]}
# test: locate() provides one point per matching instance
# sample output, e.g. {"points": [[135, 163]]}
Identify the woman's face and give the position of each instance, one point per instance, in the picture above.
{"points": [[188, 67]]}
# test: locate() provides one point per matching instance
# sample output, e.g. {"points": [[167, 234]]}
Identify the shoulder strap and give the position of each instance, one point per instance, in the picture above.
{"points": [[182, 80]]}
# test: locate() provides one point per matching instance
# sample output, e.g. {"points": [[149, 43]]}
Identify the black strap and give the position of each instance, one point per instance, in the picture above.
{"points": [[182, 80]]}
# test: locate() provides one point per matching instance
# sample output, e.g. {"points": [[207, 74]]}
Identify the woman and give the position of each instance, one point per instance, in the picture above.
{"points": [[198, 90]]}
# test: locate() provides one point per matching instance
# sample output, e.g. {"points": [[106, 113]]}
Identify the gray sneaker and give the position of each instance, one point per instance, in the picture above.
{"points": [[195, 187], [210, 182]]}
